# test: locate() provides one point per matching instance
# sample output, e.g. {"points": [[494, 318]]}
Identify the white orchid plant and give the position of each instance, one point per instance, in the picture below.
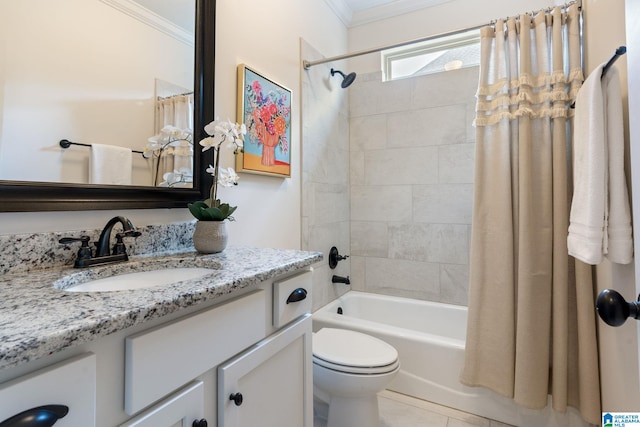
{"points": [[219, 131], [170, 137]]}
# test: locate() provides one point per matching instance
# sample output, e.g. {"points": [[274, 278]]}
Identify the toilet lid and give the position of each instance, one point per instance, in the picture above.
{"points": [[354, 349]]}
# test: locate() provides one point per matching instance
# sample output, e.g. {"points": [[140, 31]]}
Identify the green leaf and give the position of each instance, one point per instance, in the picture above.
{"points": [[218, 212], [197, 208]]}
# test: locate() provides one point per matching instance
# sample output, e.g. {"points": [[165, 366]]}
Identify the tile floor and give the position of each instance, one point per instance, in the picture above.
{"points": [[399, 410]]}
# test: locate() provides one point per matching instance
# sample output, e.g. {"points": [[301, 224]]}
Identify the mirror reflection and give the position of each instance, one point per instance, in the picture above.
{"points": [[116, 75]]}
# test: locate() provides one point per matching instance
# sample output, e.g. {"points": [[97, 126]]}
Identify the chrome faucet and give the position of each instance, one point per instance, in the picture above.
{"points": [[86, 257]]}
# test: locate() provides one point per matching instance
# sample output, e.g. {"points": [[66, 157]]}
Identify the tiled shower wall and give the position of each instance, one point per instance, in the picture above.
{"points": [[411, 183], [325, 173]]}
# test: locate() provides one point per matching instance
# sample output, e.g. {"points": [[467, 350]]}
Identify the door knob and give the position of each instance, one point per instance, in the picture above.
{"points": [[199, 423], [237, 398], [614, 310]]}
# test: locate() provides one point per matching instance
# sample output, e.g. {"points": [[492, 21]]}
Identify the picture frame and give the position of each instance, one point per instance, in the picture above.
{"points": [[264, 106]]}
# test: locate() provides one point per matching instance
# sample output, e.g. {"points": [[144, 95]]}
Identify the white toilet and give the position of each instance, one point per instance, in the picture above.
{"points": [[349, 369]]}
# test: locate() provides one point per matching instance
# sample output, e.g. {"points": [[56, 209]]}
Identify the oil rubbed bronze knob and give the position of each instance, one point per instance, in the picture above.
{"points": [[614, 310], [42, 416], [237, 398]]}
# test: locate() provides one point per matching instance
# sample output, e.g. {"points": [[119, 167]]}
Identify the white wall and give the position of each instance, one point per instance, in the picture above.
{"points": [[266, 36]]}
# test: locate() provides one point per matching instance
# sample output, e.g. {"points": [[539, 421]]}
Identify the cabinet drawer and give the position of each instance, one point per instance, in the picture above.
{"points": [[283, 311], [71, 383], [163, 359]]}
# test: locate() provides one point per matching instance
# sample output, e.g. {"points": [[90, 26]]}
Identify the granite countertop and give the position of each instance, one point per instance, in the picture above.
{"points": [[38, 317]]}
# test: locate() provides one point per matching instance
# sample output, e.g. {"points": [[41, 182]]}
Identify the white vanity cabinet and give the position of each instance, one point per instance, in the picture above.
{"points": [[46, 393], [271, 383], [162, 359], [181, 369]]}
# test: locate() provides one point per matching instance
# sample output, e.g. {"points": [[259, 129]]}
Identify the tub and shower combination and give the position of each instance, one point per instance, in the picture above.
{"points": [[430, 339]]}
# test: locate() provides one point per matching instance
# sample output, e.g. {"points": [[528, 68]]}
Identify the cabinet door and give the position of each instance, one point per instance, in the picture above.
{"points": [[274, 379], [178, 410], [70, 384]]}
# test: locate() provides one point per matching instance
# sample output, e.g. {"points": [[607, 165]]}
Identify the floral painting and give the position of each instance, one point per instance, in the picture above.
{"points": [[265, 108]]}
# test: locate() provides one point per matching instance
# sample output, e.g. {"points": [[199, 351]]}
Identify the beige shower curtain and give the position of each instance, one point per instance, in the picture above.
{"points": [[531, 329], [177, 111]]}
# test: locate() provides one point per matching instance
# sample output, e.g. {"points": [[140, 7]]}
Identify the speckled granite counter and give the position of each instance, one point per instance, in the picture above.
{"points": [[37, 319]]}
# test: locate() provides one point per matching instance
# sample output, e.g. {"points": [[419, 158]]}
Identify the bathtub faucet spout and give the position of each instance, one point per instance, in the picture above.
{"points": [[340, 279]]}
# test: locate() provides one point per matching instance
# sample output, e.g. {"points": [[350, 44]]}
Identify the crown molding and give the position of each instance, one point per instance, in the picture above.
{"points": [[154, 20], [397, 7], [342, 11], [393, 8]]}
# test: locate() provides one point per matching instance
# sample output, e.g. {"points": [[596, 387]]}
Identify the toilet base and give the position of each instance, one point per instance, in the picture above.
{"points": [[353, 412]]}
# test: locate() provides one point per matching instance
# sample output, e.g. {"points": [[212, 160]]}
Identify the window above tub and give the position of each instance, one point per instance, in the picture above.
{"points": [[433, 56]]}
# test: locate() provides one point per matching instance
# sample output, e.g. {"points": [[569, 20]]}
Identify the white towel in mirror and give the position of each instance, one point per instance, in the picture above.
{"points": [[110, 165]]}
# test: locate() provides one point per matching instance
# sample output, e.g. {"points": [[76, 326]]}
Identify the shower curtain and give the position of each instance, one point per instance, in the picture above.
{"points": [[531, 328], [177, 111]]}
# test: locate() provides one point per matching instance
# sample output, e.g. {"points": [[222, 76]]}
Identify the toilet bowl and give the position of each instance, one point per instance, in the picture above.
{"points": [[349, 369]]}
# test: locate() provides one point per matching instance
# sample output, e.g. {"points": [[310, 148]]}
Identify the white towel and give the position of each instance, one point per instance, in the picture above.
{"points": [[110, 165], [600, 220], [619, 235]]}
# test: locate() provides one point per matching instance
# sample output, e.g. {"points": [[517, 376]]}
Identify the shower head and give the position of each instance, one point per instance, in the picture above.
{"points": [[346, 79]]}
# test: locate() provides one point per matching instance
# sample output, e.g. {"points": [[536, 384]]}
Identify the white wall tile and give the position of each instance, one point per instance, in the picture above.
{"points": [[368, 132], [443, 203], [456, 163], [454, 284], [409, 241], [369, 239], [404, 278], [325, 175], [448, 243], [439, 89], [429, 126], [422, 145], [381, 203], [376, 97], [404, 166], [356, 168], [330, 203], [358, 275]]}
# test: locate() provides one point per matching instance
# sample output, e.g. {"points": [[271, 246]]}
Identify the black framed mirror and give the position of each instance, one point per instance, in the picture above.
{"points": [[29, 196]]}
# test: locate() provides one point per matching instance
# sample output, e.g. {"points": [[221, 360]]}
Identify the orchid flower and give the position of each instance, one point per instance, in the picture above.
{"points": [[228, 177], [219, 131]]}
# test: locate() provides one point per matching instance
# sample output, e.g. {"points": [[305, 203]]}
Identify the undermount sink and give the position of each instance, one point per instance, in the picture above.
{"points": [[138, 280]]}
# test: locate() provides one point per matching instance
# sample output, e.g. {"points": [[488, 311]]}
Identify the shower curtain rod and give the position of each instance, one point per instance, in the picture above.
{"points": [[308, 64]]}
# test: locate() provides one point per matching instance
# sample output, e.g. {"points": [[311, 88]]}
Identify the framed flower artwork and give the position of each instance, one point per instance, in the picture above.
{"points": [[264, 107]]}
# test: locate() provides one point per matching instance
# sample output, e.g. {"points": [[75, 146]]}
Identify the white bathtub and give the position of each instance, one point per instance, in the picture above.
{"points": [[430, 339]]}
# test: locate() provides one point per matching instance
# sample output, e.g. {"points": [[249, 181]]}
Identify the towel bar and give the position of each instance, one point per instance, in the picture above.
{"points": [[65, 143]]}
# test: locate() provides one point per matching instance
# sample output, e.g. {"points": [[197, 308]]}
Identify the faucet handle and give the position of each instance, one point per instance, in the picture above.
{"points": [[85, 251], [119, 247]]}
